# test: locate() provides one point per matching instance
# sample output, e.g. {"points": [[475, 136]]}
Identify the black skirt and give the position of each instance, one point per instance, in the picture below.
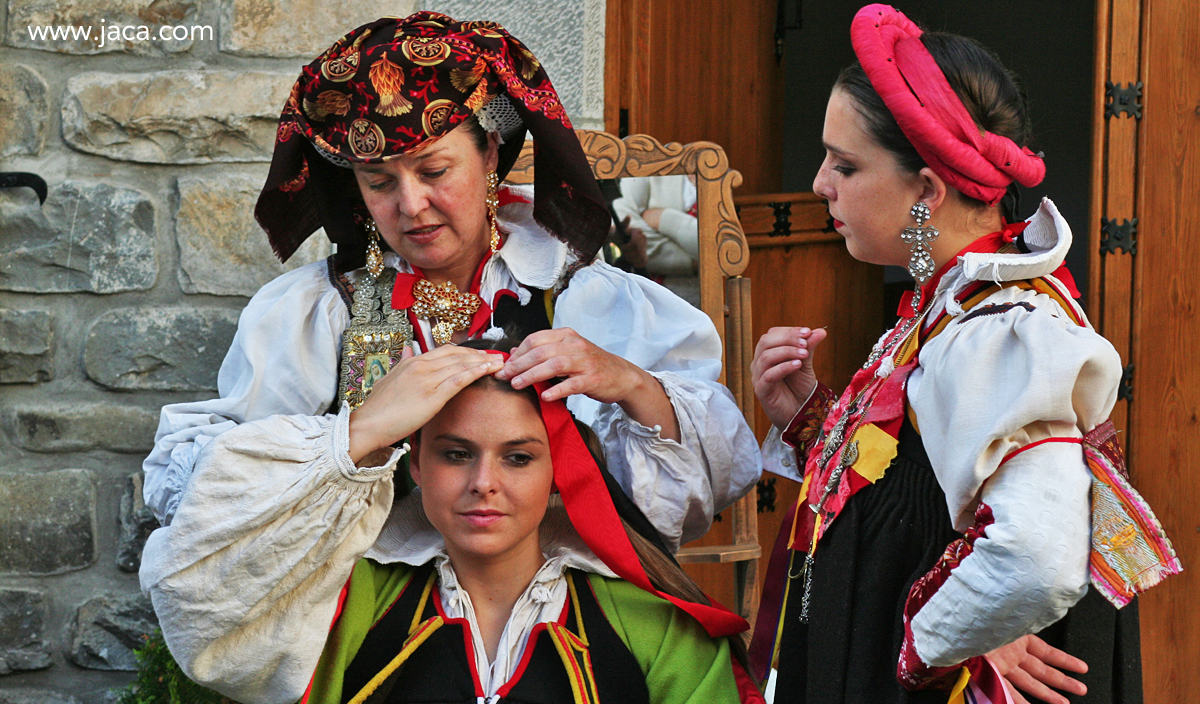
{"points": [[889, 535]]}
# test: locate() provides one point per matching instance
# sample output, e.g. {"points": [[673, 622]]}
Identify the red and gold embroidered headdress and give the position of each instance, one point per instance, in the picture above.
{"points": [[394, 85]]}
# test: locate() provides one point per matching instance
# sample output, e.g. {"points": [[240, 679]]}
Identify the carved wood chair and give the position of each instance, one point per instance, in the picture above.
{"points": [[724, 296]]}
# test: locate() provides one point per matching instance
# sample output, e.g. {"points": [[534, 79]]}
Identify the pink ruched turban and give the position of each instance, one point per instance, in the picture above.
{"points": [[978, 163]]}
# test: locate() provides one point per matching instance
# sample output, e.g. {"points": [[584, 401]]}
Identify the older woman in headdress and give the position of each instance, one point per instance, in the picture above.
{"points": [[395, 141]]}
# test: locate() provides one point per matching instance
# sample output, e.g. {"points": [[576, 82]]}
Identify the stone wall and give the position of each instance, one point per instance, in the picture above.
{"points": [[121, 292]]}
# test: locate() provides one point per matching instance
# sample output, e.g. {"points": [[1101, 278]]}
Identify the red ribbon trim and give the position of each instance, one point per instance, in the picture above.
{"points": [[1030, 446], [594, 516]]}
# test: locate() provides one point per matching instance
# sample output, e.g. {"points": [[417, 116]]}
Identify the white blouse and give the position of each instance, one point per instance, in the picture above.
{"points": [[983, 388], [284, 360]]}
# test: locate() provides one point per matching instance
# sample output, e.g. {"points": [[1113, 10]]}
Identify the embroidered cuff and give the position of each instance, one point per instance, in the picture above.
{"points": [[802, 433], [341, 452]]}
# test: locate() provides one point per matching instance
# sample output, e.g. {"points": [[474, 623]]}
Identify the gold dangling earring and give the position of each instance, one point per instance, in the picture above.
{"points": [[374, 253], [920, 263], [493, 201]]}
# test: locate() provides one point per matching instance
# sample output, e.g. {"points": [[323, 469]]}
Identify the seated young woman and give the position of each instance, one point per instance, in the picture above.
{"points": [[516, 571]]}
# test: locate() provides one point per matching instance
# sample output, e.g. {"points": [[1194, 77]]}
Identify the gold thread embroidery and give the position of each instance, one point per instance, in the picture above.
{"points": [[373, 343]]}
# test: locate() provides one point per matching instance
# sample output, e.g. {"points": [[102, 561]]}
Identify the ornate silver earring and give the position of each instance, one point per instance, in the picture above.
{"points": [[920, 263], [374, 253]]}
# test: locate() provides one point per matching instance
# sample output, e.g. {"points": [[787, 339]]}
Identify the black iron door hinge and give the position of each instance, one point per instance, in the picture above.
{"points": [[1125, 388], [1115, 236], [783, 218], [1127, 100], [766, 495]]}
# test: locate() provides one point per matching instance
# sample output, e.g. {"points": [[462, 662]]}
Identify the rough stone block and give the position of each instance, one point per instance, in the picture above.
{"points": [[88, 237], [175, 117], [129, 26], [297, 28], [27, 695], [222, 250], [107, 629], [26, 346], [47, 525], [23, 112], [137, 523], [23, 646], [169, 349], [79, 427], [567, 37]]}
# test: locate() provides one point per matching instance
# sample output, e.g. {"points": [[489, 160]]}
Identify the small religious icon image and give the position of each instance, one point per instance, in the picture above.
{"points": [[374, 368]]}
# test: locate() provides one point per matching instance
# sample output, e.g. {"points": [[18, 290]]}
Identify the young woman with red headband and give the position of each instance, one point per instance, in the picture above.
{"points": [[480, 586], [944, 515]]}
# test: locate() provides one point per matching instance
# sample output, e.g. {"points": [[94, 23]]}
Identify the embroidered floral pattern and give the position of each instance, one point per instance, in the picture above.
{"points": [[805, 428]]}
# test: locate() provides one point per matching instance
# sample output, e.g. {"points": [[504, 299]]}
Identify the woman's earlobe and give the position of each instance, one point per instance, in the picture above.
{"points": [[414, 467], [493, 155]]}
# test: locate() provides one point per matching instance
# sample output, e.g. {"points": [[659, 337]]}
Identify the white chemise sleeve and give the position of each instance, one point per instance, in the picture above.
{"points": [[635, 197], [245, 580], [283, 359], [679, 485], [986, 387]]}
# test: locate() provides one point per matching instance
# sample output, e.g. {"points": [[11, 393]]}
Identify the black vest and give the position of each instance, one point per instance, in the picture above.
{"points": [[441, 670]]}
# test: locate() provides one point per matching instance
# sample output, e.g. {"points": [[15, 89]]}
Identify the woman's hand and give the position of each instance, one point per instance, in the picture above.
{"points": [[652, 217], [412, 393], [586, 369], [1033, 666], [782, 371]]}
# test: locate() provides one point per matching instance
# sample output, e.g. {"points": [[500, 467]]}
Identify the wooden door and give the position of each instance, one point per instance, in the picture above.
{"points": [[701, 70], [1146, 295], [698, 70]]}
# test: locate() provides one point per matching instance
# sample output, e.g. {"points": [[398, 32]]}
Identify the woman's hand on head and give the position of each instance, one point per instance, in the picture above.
{"points": [[412, 393], [1033, 666], [782, 371], [589, 370]]}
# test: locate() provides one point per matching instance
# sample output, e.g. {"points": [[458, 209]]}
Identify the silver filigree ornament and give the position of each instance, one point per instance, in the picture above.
{"points": [[920, 262], [375, 340]]}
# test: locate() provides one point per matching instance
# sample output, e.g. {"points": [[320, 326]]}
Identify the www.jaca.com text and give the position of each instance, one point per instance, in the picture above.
{"points": [[107, 33]]}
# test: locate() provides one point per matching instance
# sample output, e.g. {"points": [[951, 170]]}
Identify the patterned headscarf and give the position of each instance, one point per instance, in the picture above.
{"points": [[393, 86]]}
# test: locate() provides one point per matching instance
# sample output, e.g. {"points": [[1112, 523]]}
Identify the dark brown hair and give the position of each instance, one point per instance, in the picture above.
{"points": [[478, 135], [992, 95]]}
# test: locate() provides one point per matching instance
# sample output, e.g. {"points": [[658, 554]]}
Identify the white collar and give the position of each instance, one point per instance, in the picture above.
{"points": [[408, 537], [1048, 238]]}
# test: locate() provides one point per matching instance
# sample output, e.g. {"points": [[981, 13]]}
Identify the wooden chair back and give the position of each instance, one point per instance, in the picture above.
{"points": [[724, 297]]}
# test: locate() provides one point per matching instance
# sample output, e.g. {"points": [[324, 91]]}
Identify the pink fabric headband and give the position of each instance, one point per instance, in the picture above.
{"points": [[979, 164]]}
